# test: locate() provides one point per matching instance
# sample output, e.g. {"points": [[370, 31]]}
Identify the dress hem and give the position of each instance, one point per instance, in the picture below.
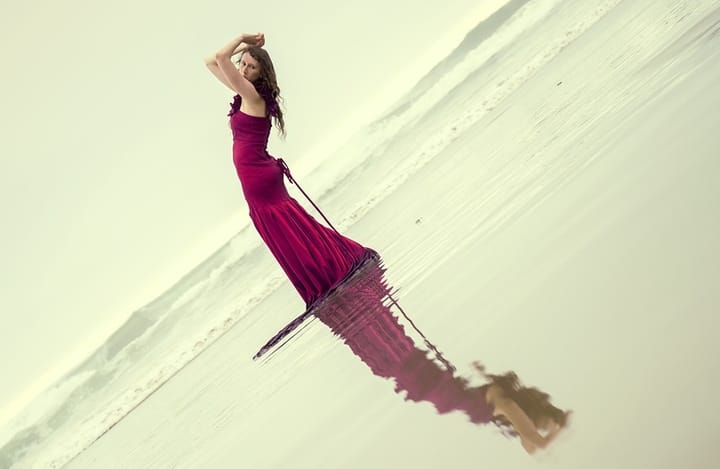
{"points": [[367, 255]]}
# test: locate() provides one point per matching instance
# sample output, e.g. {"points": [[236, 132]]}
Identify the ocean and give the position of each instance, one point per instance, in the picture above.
{"points": [[543, 200]]}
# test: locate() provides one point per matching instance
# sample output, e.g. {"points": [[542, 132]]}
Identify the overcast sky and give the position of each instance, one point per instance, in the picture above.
{"points": [[115, 155]]}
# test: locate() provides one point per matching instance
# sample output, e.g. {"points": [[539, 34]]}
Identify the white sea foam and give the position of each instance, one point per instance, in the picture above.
{"points": [[45, 404], [422, 147]]}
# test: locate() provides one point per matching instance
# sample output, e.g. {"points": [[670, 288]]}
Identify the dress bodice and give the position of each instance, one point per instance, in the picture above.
{"points": [[260, 173], [253, 131], [250, 130]]}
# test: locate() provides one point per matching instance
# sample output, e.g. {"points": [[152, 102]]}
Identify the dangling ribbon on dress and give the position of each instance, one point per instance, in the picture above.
{"points": [[286, 171]]}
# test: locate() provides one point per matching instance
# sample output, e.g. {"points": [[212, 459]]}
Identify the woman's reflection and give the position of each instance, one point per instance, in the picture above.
{"points": [[361, 313]]}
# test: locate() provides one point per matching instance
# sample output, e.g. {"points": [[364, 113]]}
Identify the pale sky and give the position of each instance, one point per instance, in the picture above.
{"points": [[115, 154]]}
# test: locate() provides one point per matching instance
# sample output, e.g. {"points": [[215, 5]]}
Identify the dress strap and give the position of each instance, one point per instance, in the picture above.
{"points": [[286, 171]]}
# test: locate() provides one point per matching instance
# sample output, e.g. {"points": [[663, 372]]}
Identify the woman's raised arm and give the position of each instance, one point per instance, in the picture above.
{"points": [[222, 67]]}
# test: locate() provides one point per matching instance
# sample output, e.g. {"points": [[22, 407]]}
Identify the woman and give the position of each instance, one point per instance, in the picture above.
{"points": [[315, 258]]}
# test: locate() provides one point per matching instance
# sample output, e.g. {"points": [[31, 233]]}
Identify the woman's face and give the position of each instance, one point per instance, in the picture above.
{"points": [[249, 67]]}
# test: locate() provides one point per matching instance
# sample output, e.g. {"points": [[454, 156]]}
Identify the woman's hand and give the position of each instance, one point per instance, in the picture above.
{"points": [[256, 40]]}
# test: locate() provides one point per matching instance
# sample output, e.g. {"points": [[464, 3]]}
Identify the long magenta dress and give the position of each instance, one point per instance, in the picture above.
{"points": [[315, 258]]}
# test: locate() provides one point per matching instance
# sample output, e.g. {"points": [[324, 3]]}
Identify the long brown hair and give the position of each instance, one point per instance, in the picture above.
{"points": [[535, 403], [267, 86]]}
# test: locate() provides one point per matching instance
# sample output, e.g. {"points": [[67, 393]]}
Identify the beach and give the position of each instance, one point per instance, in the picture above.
{"points": [[546, 204]]}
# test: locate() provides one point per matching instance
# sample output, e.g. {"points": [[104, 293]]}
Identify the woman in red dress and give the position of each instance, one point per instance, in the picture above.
{"points": [[315, 258]]}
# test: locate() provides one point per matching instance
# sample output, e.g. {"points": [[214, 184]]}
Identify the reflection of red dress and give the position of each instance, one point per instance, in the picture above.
{"points": [[358, 312], [314, 257]]}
